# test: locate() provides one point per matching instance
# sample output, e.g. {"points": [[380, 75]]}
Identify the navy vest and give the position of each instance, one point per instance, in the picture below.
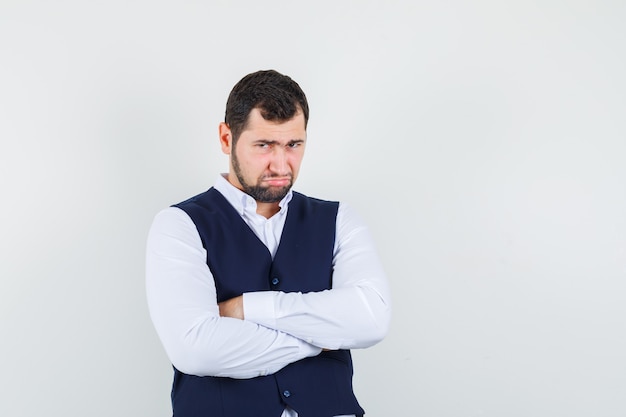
{"points": [[319, 386]]}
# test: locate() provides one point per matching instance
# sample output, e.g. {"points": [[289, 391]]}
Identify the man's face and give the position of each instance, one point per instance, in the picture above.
{"points": [[266, 159]]}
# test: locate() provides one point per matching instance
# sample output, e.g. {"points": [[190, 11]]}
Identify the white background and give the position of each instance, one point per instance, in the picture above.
{"points": [[484, 142]]}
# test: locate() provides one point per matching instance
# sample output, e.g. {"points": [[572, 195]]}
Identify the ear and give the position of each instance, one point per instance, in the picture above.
{"points": [[226, 138]]}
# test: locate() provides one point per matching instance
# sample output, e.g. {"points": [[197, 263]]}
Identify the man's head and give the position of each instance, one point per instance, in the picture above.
{"points": [[277, 97], [264, 133]]}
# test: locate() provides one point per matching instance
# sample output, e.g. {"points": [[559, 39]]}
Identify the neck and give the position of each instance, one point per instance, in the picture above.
{"points": [[267, 210]]}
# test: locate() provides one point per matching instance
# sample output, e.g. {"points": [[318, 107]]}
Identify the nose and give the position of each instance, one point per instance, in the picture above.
{"points": [[279, 163]]}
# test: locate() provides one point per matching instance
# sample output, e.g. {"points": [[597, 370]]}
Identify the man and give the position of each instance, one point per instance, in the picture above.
{"points": [[257, 292]]}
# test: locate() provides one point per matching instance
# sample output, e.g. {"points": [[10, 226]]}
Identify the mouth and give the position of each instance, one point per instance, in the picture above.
{"points": [[277, 181]]}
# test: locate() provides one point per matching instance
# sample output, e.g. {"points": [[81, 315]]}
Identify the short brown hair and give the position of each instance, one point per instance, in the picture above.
{"points": [[277, 96]]}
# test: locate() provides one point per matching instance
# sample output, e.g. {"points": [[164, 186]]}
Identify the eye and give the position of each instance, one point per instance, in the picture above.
{"points": [[294, 145]]}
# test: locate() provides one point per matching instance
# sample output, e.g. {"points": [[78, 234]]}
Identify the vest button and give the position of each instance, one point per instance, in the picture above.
{"points": [[275, 281], [286, 393]]}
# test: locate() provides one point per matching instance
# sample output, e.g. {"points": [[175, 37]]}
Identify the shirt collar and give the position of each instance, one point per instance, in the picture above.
{"points": [[241, 201]]}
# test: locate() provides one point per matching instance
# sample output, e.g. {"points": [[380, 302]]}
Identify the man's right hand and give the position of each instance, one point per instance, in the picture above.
{"points": [[232, 308]]}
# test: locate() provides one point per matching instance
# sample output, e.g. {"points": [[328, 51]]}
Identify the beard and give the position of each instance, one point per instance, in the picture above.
{"points": [[260, 193]]}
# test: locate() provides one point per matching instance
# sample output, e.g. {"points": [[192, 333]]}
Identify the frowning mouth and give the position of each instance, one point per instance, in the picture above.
{"points": [[277, 181]]}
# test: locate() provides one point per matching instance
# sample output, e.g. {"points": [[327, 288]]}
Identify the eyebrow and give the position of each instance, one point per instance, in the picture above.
{"points": [[275, 142]]}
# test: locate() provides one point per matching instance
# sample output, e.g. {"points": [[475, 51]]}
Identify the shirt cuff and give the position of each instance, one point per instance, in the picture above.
{"points": [[258, 307]]}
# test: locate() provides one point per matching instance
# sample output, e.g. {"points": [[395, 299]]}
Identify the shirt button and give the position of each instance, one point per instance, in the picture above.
{"points": [[286, 393], [275, 281]]}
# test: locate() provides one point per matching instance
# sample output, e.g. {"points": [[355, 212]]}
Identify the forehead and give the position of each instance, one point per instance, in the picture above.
{"points": [[259, 128]]}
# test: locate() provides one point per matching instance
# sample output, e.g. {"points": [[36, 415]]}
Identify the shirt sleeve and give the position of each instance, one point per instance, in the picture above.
{"points": [[355, 313], [183, 306]]}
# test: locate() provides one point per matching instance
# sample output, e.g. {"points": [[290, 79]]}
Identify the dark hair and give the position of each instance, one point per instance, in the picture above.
{"points": [[277, 96]]}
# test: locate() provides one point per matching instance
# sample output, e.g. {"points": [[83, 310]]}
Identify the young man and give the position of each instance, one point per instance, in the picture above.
{"points": [[257, 292]]}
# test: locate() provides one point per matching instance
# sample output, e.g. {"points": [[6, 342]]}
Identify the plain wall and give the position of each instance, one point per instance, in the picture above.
{"points": [[484, 143]]}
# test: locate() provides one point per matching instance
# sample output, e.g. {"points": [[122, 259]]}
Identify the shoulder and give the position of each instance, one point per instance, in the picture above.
{"points": [[301, 199], [347, 217], [297, 195], [201, 199], [171, 218], [172, 230]]}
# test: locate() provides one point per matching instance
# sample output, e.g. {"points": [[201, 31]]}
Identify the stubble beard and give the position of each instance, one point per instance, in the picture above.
{"points": [[259, 193]]}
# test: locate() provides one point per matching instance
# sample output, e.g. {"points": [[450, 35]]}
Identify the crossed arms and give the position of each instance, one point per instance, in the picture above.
{"points": [[261, 332]]}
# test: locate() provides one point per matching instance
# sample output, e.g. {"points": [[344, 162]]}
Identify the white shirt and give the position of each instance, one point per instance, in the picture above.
{"points": [[279, 328]]}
